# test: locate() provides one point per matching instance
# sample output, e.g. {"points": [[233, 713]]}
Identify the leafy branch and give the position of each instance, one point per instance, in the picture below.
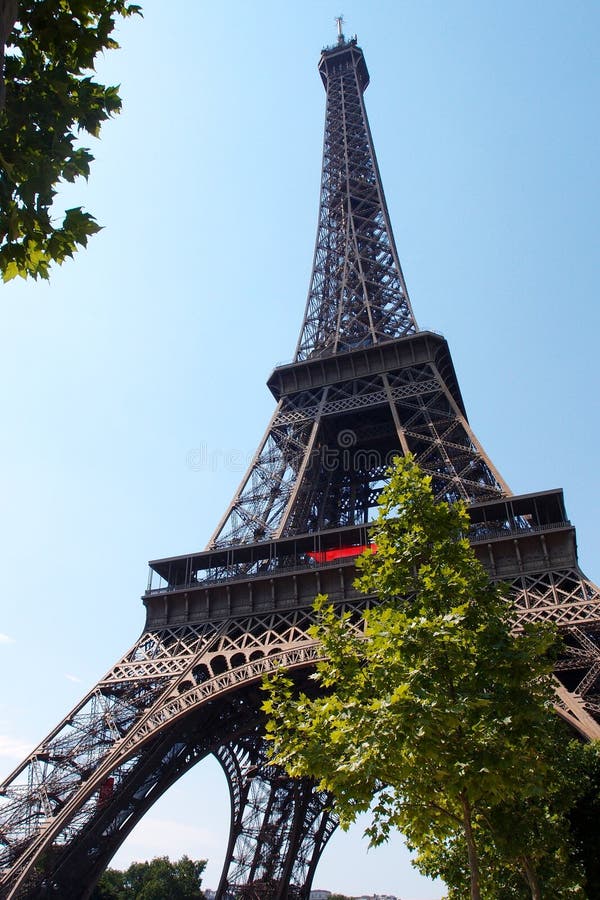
{"points": [[51, 97]]}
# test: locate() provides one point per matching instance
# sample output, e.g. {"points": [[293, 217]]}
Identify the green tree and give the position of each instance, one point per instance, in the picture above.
{"points": [[433, 708], [155, 880], [51, 97], [584, 817], [526, 849], [111, 886]]}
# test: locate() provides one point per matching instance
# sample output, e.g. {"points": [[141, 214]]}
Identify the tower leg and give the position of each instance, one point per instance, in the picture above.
{"points": [[279, 828]]}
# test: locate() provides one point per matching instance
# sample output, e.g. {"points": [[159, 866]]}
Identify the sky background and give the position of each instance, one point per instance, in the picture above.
{"points": [[149, 352]]}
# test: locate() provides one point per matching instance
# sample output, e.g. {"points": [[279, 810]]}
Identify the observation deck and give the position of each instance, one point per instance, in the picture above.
{"points": [[528, 533]]}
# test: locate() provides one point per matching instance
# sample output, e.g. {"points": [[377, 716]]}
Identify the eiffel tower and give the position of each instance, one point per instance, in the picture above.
{"points": [[365, 385]]}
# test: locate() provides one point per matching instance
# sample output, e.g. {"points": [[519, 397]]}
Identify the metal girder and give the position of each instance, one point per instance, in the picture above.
{"points": [[324, 442], [56, 796], [92, 779], [279, 827], [357, 292]]}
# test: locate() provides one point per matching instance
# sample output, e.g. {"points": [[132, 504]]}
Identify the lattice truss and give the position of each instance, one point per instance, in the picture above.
{"points": [[279, 827], [357, 294], [568, 599], [443, 444], [357, 297], [81, 771], [323, 459], [262, 498], [85, 764]]}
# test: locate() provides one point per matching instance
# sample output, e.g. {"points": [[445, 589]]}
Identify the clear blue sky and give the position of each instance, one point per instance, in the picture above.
{"points": [[156, 342]]}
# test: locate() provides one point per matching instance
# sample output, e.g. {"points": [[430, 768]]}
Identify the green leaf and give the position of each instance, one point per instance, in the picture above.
{"points": [[51, 96]]}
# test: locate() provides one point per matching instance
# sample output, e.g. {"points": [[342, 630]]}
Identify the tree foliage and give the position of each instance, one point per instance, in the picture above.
{"points": [[584, 817], [559, 831], [51, 97], [436, 711], [155, 880]]}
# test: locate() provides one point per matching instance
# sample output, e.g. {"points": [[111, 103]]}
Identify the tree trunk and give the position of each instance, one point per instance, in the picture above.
{"points": [[532, 879], [471, 848], [8, 17]]}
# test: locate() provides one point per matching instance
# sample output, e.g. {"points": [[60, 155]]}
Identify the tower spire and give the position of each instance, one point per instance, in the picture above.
{"points": [[357, 294], [357, 313]]}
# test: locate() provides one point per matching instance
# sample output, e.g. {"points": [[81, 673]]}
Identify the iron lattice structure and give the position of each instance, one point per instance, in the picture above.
{"points": [[366, 384]]}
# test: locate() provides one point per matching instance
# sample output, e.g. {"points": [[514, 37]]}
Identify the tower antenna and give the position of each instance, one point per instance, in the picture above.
{"points": [[339, 20]]}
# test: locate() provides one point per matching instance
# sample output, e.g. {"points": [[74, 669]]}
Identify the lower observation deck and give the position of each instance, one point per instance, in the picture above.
{"points": [[517, 535]]}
